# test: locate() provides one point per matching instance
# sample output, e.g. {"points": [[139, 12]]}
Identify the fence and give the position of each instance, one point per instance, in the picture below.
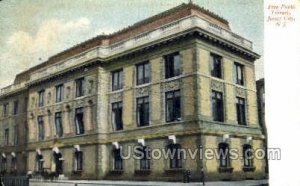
{"points": [[14, 181]]}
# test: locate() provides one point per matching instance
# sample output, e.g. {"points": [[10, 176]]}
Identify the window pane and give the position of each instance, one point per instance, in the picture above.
{"points": [[172, 65], [177, 65], [147, 73], [117, 120], [217, 106], [79, 121], [140, 74], [170, 110], [241, 111]]}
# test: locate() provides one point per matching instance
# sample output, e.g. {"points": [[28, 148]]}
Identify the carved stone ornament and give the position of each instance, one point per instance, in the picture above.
{"points": [[172, 85], [216, 85], [116, 97], [143, 91], [240, 92]]}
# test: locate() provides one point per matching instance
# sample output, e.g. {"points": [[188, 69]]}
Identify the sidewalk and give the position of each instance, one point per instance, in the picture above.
{"points": [[140, 183]]}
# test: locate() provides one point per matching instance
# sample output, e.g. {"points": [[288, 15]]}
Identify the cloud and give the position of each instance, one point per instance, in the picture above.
{"points": [[23, 49]]}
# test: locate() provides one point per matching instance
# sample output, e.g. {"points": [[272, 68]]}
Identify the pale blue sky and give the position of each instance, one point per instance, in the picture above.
{"points": [[33, 29]]}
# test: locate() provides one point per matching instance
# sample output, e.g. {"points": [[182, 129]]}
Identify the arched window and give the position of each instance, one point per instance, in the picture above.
{"points": [[248, 155], [224, 155], [175, 155]]}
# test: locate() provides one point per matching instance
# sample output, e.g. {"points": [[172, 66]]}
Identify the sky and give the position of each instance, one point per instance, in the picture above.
{"points": [[33, 30]]}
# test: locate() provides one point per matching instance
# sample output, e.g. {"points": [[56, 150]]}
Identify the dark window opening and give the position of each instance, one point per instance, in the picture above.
{"points": [[41, 98], [16, 107], [39, 162], [58, 124], [6, 136], [173, 106], [79, 87], [41, 128], [145, 159], [248, 155], [172, 65], [241, 110], [224, 155], [78, 161], [118, 161], [59, 93], [217, 106], [13, 165], [58, 160], [117, 80], [4, 165], [79, 121], [5, 110], [117, 112], [143, 111], [16, 137], [143, 73], [216, 65], [175, 156], [239, 74]]}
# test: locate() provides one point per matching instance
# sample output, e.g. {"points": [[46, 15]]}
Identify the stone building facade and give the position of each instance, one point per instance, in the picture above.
{"points": [[178, 80], [13, 130]]}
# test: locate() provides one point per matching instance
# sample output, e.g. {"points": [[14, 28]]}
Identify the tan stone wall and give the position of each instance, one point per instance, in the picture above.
{"points": [[230, 88], [67, 106], [236, 162]]}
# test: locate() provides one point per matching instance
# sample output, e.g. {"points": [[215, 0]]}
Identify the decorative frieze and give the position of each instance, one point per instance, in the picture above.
{"points": [[240, 92], [217, 85], [142, 91], [115, 97], [171, 85]]}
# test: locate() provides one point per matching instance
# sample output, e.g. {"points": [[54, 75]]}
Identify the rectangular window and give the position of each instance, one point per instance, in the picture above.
{"points": [[41, 98], [79, 122], [143, 73], [118, 161], [173, 106], [239, 73], [79, 87], [78, 161], [172, 65], [5, 109], [6, 136], [58, 124], [224, 155], [117, 80], [41, 128], [59, 93], [13, 164], [216, 65], [217, 106], [4, 165], [16, 107], [142, 111], [39, 162], [175, 156], [248, 155], [117, 112], [16, 137], [241, 110], [145, 159]]}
